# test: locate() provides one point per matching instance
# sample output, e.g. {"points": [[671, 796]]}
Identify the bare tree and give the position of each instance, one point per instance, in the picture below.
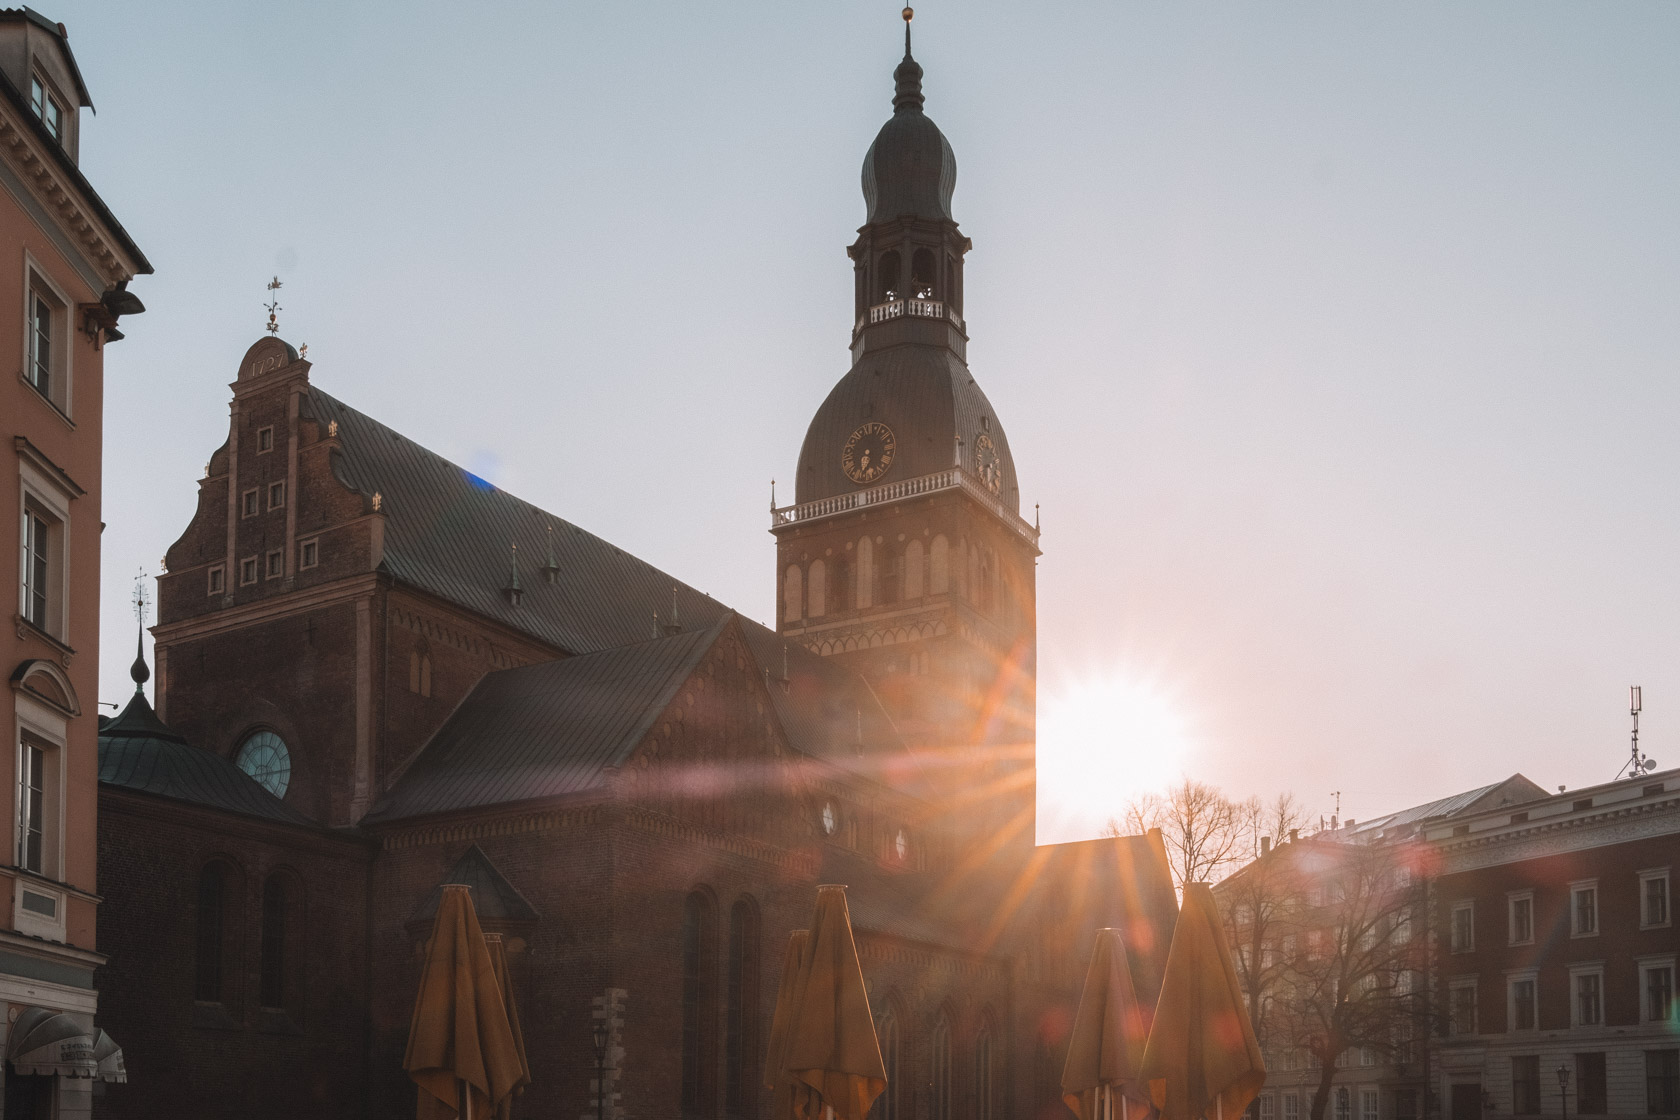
{"points": [[1206, 833], [1348, 956]]}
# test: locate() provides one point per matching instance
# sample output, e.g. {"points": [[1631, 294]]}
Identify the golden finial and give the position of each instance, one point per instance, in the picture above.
{"points": [[332, 429], [273, 306], [378, 500], [303, 351]]}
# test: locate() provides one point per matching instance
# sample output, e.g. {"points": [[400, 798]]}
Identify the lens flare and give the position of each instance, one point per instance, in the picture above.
{"points": [[1102, 742]]}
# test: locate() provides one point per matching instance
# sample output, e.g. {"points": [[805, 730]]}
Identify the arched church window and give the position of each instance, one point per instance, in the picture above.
{"points": [[842, 584], [887, 277], [889, 567], [922, 281], [425, 674], [865, 596], [793, 593], [699, 962], [983, 1075], [886, 1031], [816, 594], [216, 886], [740, 1090], [278, 970], [939, 566], [941, 1069], [913, 570]]}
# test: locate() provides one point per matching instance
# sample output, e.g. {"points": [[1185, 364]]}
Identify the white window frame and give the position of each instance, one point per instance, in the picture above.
{"points": [[1291, 1106], [1576, 888], [39, 489], [1463, 906], [1653, 874], [1647, 965], [60, 365], [1512, 898], [1576, 972], [1370, 1103], [1454, 1027], [49, 97], [1512, 979], [1268, 1106], [42, 727]]}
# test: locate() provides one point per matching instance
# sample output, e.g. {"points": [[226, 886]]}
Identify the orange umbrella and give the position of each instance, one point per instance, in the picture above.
{"points": [[831, 1058], [462, 1053], [504, 984], [1202, 1059], [1105, 1051], [787, 1000]]}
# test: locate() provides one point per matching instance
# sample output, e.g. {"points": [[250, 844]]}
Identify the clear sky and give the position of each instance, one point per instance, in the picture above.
{"points": [[1338, 342]]}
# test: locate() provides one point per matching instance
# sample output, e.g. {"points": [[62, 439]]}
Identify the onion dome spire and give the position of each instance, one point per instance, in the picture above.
{"points": [[138, 672], [908, 76], [909, 171]]}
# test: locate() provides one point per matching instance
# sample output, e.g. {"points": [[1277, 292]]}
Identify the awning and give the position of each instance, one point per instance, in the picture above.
{"points": [[50, 1042], [107, 1055]]}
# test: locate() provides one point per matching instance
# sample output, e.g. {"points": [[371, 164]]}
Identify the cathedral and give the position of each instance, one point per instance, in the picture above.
{"points": [[376, 674]]}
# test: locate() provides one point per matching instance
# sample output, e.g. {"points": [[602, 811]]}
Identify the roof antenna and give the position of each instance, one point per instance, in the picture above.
{"points": [[273, 304], [551, 570], [138, 672], [512, 592], [1638, 764]]}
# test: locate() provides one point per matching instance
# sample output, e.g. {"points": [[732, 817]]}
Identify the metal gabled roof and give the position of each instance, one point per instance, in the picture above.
{"points": [[138, 751], [448, 532], [494, 898], [545, 730]]}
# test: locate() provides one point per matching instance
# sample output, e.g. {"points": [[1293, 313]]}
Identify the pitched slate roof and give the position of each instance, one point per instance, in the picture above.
{"points": [[448, 532], [138, 751], [492, 895], [545, 730]]}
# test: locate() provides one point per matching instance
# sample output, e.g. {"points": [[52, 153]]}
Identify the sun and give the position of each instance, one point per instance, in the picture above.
{"points": [[1103, 741]]}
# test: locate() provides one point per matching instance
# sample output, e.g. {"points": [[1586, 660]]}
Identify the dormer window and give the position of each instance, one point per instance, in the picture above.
{"points": [[47, 107]]}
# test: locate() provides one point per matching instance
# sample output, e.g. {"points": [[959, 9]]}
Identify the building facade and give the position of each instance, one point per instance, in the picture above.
{"points": [[65, 264], [405, 678], [1556, 950]]}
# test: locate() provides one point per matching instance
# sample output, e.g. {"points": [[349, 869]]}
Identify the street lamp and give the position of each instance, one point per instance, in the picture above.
{"points": [[1563, 1089], [600, 1071]]}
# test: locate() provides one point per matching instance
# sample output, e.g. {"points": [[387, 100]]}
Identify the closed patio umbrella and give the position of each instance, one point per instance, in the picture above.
{"points": [[504, 983], [1201, 1059], [1105, 1052], [776, 1077], [462, 1053], [832, 1060]]}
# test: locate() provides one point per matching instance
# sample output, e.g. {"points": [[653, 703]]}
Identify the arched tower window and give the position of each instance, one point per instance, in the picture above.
{"points": [[939, 1068], [923, 284], [913, 570], [887, 284], [699, 961], [983, 1074], [816, 595], [865, 573], [740, 1086], [953, 283], [889, 567], [842, 584], [215, 891], [939, 566], [793, 593], [886, 1031]]}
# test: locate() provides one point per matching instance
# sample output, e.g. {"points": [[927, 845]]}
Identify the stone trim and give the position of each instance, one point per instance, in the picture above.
{"points": [[62, 199], [1618, 825]]}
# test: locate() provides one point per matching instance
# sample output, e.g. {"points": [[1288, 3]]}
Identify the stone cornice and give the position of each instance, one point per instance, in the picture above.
{"points": [[1617, 824], [63, 197], [263, 610]]}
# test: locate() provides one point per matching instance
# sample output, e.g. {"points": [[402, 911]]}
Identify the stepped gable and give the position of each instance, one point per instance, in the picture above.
{"points": [[448, 532], [139, 752], [553, 729]]}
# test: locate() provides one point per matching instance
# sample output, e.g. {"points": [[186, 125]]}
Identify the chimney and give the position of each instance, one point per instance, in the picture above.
{"points": [[1350, 824], [1294, 835], [1265, 845], [1333, 824]]}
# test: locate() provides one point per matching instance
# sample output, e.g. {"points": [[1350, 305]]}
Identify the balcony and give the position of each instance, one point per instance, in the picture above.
{"points": [[908, 308], [952, 478]]}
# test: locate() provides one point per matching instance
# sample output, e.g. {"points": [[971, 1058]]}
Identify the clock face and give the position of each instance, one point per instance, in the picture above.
{"points": [[265, 758], [986, 463], [868, 454]]}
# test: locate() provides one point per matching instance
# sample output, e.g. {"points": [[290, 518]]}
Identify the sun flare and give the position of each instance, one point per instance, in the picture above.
{"points": [[1103, 741]]}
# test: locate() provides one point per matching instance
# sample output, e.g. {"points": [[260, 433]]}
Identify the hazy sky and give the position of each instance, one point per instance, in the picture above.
{"points": [[1337, 341]]}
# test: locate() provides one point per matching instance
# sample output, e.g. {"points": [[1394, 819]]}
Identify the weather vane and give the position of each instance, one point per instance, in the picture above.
{"points": [[273, 305], [142, 597]]}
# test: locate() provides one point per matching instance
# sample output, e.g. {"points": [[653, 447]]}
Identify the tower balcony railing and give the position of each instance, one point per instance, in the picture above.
{"points": [[912, 308], [952, 478]]}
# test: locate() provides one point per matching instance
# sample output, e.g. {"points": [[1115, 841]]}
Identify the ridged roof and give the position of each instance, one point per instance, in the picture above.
{"points": [[449, 533], [493, 896], [138, 751], [551, 729]]}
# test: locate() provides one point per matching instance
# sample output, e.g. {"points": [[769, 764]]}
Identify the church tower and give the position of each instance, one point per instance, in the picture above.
{"points": [[904, 555]]}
